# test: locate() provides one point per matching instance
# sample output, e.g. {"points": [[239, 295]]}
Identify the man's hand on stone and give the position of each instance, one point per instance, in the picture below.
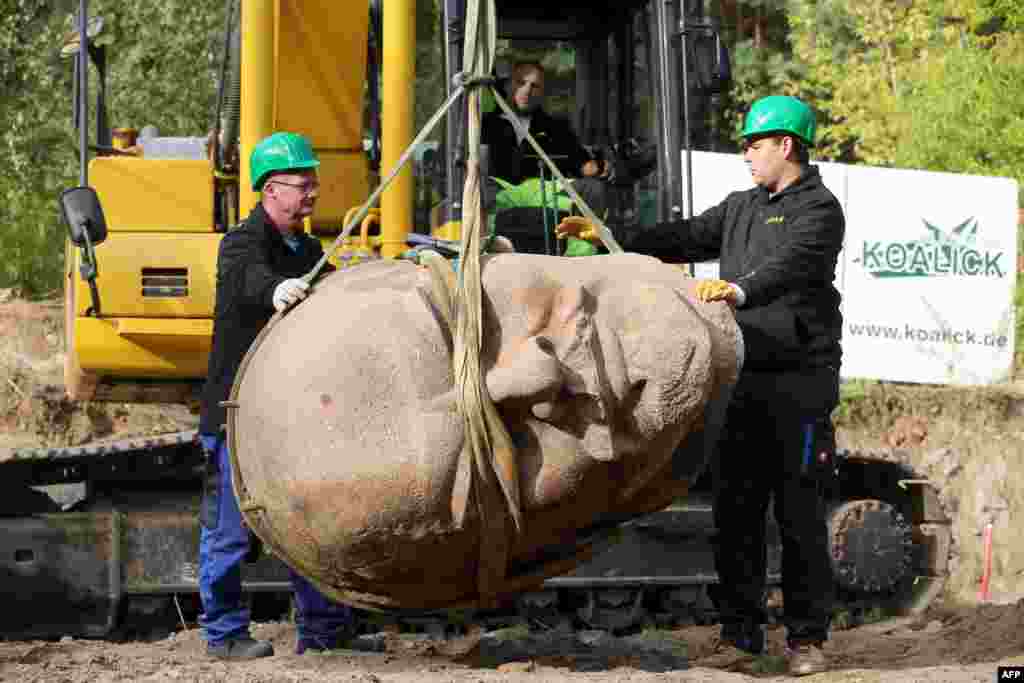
{"points": [[578, 227], [719, 290], [289, 293]]}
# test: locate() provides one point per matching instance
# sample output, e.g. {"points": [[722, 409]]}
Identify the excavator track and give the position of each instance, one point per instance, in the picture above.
{"points": [[889, 544], [134, 456], [125, 550], [121, 546]]}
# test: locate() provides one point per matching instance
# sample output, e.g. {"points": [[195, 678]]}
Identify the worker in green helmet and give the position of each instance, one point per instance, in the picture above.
{"points": [[777, 246], [260, 266]]}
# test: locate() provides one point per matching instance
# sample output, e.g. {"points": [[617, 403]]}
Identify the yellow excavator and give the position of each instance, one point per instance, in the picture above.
{"points": [[143, 232], [139, 327]]}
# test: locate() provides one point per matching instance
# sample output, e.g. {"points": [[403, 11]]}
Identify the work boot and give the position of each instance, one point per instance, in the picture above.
{"points": [[738, 646], [368, 643], [240, 648], [314, 644], [805, 659]]}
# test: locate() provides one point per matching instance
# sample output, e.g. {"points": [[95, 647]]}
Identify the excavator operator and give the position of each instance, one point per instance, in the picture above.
{"points": [[513, 162]]}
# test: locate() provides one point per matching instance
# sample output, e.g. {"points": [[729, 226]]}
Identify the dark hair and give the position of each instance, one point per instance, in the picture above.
{"points": [[532, 63], [801, 152]]}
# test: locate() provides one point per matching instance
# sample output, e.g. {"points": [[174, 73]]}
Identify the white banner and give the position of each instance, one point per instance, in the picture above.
{"points": [[929, 276], [927, 272]]}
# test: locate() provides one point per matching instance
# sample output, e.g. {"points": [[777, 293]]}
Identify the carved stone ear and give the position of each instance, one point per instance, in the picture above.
{"points": [[533, 372]]}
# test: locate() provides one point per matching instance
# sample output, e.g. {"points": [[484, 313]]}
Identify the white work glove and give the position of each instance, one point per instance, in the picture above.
{"points": [[289, 292]]}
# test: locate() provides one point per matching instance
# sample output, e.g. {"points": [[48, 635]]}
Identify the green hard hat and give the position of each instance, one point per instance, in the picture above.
{"points": [[780, 114], [280, 152]]}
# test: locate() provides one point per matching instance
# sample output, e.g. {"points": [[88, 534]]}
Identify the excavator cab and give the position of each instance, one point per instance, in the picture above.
{"points": [[636, 80]]}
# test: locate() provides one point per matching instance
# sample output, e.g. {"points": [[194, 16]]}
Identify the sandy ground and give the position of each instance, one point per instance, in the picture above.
{"points": [[33, 409], [968, 442], [953, 646]]}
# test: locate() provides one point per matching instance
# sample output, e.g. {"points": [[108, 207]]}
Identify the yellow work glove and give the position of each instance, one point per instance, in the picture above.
{"points": [[578, 227], [716, 290]]}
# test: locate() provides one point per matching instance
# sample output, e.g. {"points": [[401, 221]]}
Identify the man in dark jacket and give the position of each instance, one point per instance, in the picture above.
{"points": [[511, 158], [778, 245], [259, 269]]}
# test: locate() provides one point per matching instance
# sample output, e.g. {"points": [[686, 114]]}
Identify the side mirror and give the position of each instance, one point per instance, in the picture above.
{"points": [[712, 64], [723, 68], [84, 216]]}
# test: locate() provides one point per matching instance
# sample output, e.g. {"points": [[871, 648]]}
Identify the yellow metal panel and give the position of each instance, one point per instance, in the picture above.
{"points": [[397, 116], [258, 61], [121, 260], [321, 71], [102, 351], [164, 327], [165, 195], [452, 230], [344, 183]]}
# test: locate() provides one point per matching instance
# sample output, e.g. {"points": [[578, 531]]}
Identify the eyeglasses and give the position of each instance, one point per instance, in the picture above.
{"points": [[305, 188]]}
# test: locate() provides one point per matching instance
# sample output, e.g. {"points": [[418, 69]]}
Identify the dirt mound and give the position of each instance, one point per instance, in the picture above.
{"points": [[34, 411], [942, 636], [985, 634], [968, 443]]}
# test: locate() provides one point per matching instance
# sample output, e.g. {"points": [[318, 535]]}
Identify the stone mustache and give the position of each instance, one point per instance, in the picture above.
{"points": [[349, 449]]}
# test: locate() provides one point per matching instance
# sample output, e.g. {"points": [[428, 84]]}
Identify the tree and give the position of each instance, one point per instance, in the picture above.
{"points": [[861, 60], [163, 61], [967, 115], [31, 129]]}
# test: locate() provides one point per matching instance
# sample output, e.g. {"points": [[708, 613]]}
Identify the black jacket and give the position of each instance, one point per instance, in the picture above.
{"points": [[514, 162], [782, 251], [252, 261]]}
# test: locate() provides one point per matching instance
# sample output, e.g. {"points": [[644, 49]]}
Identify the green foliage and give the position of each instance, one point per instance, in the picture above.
{"points": [[916, 83], [165, 60], [851, 393], [758, 71], [162, 66], [967, 116], [927, 84], [861, 59], [32, 129], [430, 69], [1018, 301]]}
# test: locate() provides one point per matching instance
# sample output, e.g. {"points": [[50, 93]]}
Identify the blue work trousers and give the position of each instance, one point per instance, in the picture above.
{"points": [[223, 545]]}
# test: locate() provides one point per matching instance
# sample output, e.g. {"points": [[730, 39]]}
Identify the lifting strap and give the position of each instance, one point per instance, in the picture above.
{"points": [[487, 450]]}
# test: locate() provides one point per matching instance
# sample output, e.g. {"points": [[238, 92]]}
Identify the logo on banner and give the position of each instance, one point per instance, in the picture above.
{"points": [[936, 253]]}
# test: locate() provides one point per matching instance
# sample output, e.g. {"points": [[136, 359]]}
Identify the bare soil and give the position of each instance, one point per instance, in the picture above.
{"points": [[967, 441], [956, 646], [34, 411]]}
